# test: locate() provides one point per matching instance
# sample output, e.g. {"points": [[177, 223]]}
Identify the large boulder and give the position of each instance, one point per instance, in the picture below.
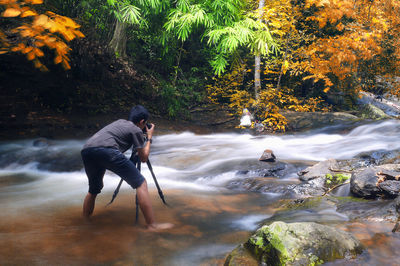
{"points": [[373, 112], [364, 183], [305, 243], [299, 121]]}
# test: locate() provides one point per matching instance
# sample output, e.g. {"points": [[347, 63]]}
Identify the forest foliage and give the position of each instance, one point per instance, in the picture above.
{"points": [[36, 31], [313, 55]]}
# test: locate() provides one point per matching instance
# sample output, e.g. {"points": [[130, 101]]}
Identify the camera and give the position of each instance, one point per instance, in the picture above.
{"points": [[148, 126]]}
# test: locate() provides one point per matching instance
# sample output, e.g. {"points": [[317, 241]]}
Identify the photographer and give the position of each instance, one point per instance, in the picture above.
{"points": [[104, 151]]}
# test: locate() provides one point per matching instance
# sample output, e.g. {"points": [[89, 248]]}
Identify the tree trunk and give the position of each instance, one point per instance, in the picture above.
{"points": [[257, 59], [257, 76], [278, 86], [118, 42]]}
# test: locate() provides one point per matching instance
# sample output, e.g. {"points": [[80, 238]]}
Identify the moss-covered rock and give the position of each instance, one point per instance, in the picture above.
{"points": [[300, 244], [240, 256]]}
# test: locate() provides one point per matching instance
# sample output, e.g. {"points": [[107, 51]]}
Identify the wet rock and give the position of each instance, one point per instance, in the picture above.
{"points": [[261, 169], [397, 204], [311, 209], [364, 182], [318, 170], [305, 243], [314, 187], [41, 142], [298, 121], [264, 185], [267, 156], [373, 112], [363, 209], [377, 157], [240, 256], [390, 188]]}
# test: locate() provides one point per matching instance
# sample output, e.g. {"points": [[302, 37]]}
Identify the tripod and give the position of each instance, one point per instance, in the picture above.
{"points": [[135, 159]]}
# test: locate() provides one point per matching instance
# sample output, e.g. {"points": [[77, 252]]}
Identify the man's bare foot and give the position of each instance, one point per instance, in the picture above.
{"points": [[159, 227]]}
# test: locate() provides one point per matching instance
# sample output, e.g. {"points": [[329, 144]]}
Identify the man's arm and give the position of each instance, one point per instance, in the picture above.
{"points": [[145, 151]]}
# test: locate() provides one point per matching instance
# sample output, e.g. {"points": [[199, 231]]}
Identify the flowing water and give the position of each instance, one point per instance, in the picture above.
{"points": [[42, 185]]}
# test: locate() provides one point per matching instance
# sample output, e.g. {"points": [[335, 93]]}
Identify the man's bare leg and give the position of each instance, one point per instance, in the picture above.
{"points": [[147, 209], [88, 204]]}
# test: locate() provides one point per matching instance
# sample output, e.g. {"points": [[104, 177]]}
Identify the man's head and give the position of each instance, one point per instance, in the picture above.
{"points": [[138, 114]]}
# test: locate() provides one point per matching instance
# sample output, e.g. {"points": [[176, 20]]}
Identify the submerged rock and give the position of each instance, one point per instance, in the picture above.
{"points": [[264, 185], [41, 142], [262, 169], [299, 244]]}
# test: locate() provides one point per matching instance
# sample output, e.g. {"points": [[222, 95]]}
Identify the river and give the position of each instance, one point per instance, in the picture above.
{"points": [[42, 185]]}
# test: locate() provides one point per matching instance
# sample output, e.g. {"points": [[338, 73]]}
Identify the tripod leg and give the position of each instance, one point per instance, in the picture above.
{"points": [[138, 165], [137, 209]]}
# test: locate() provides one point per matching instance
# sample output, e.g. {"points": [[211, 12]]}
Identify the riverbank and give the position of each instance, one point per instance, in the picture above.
{"points": [[203, 119], [53, 125], [61, 126]]}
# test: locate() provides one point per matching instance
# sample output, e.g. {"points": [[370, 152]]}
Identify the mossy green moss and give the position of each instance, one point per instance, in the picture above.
{"points": [[267, 246]]}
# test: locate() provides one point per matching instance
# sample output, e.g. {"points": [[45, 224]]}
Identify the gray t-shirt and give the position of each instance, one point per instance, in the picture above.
{"points": [[120, 134]]}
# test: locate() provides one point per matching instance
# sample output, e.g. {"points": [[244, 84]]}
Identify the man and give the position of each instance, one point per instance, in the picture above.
{"points": [[104, 150]]}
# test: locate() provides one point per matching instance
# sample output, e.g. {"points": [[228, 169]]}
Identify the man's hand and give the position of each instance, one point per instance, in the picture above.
{"points": [[145, 151], [150, 131]]}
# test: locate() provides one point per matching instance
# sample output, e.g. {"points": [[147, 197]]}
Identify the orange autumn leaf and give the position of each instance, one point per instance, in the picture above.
{"points": [[28, 13], [38, 52], [57, 59], [30, 56], [27, 49], [65, 64], [11, 12], [45, 30]]}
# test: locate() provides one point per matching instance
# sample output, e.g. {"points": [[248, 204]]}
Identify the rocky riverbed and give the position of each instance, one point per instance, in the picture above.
{"points": [[372, 193]]}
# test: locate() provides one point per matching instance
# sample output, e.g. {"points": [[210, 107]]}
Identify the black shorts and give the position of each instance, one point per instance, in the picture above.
{"points": [[99, 159]]}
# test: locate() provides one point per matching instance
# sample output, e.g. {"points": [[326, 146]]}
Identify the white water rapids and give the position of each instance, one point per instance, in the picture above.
{"points": [[32, 174]]}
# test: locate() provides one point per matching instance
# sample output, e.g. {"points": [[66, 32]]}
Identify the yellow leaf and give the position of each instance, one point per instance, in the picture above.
{"points": [[42, 20], [36, 2], [79, 34], [29, 13], [11, 12]]}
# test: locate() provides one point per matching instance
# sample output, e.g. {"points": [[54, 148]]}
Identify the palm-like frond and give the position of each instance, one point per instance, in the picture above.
{"points": [[130, 14], [219, 64]]}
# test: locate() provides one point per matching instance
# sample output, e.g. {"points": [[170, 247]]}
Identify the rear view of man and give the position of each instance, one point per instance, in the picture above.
{"points": [[104, 151]]}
